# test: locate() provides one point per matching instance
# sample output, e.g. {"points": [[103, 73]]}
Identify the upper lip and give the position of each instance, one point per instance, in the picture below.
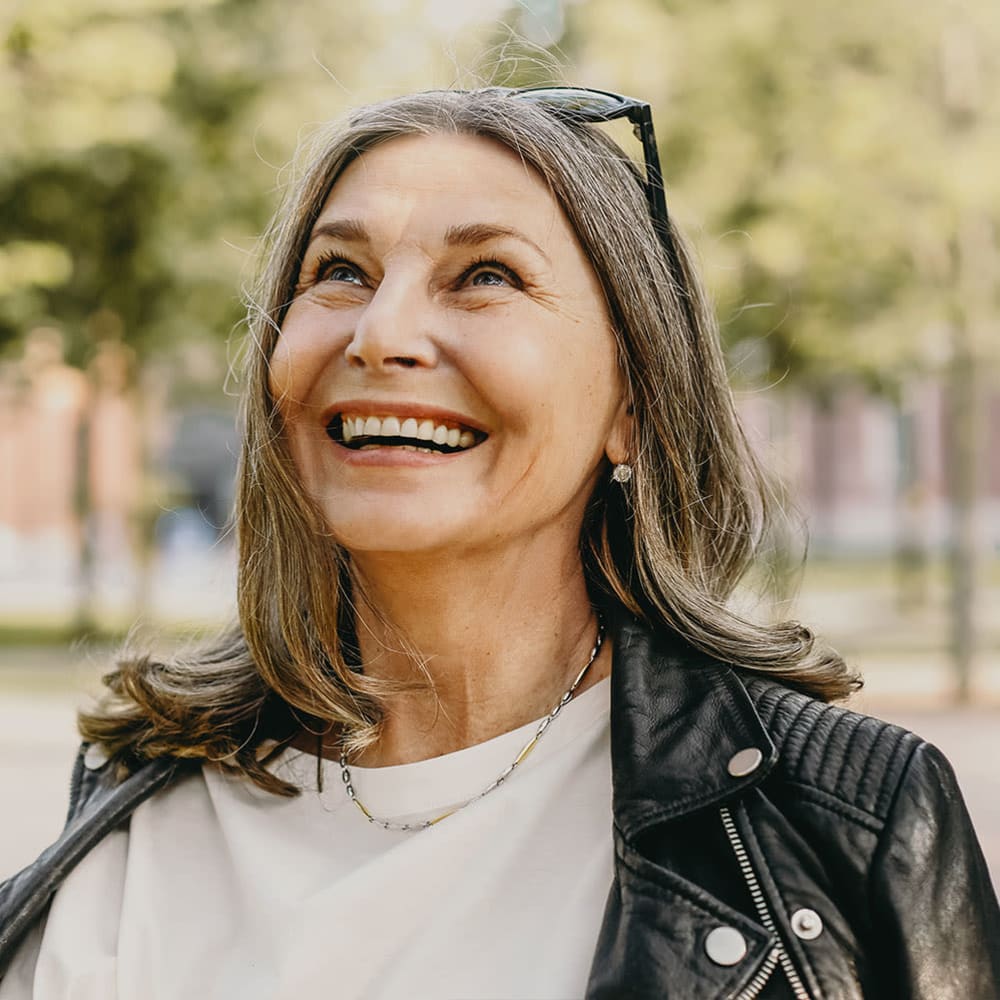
{"points": [[400, 408]]}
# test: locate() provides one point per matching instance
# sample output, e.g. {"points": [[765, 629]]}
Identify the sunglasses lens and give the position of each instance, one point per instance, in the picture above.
{"points": [[580, 104]]}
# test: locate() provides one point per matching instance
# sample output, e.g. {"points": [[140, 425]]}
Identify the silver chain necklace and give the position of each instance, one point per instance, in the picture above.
{"points": [[388, 824]]}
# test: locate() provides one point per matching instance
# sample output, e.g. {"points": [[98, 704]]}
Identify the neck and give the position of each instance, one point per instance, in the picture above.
{"points": [[499, 638]]}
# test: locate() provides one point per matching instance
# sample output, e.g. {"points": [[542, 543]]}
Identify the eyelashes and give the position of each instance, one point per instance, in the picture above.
{"points": [[490, 265], [328, 264]]}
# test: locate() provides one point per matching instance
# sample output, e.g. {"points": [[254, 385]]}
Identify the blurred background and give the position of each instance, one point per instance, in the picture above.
{"points": [[835, 163]]}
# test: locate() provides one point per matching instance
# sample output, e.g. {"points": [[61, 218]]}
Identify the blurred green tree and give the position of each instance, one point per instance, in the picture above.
{"points": [[127, 166], [832, 150], [842, 155]]}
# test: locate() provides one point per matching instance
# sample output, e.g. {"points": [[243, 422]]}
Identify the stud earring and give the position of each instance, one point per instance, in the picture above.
{"points": [[622, 473]]}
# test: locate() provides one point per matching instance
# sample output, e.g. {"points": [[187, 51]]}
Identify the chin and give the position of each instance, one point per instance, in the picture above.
{"points": [[399, 530]]}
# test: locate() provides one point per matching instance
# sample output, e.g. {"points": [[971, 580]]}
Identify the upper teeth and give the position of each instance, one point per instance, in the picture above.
{"points": [[408, 427]]}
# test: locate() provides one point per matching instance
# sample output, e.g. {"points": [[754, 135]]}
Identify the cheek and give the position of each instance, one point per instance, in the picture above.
{"points": [[519, 392], [547, 383], [298, 362], [285, 383], [583, 386], [279, 371], [281, 385]]}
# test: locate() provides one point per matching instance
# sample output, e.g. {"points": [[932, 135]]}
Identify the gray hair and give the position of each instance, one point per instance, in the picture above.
{"points": [[670, 550]]}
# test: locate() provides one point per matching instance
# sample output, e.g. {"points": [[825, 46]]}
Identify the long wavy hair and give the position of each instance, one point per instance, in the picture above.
{"points": [[670, 549]]}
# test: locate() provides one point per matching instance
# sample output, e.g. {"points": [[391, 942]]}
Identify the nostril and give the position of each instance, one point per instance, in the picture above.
{"points": [[405, 362]]}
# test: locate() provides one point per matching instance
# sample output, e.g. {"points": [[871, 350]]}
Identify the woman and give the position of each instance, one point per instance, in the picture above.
{"points": [[487, 727]]}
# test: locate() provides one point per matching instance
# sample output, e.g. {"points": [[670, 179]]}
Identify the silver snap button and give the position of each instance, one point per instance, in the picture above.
{"points": [[807, 924], [725, 946], [94, 758], [745, 762]]}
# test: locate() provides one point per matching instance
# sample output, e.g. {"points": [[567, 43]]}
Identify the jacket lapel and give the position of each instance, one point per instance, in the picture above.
{"points": [[678, 718], [653, 939]]}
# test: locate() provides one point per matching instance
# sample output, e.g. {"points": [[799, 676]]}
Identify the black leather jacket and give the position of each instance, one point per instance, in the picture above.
{"points": [[767, 845]]}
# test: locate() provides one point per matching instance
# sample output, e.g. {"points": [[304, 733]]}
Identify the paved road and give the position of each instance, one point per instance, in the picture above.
{"points": [[37, 744]]}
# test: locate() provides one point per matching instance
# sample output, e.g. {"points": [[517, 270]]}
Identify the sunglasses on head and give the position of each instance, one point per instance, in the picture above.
{"points": [[589, 107]]}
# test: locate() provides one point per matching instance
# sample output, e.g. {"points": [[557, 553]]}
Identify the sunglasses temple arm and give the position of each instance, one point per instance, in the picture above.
{"points": [[657, 199], [654, 181]]}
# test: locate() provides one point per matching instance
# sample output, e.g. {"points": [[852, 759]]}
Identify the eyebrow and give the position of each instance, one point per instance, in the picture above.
{"points": [[469, 234], [348, 230], [474, 233]]}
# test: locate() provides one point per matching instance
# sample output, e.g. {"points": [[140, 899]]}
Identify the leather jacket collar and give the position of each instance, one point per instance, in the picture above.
{"points": [[678, 719]]}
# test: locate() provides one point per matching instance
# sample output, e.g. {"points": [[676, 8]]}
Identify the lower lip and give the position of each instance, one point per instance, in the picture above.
{"points": [[398, 458]]}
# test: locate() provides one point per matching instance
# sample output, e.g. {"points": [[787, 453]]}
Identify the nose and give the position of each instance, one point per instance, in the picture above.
{"points": [[394, 330]]}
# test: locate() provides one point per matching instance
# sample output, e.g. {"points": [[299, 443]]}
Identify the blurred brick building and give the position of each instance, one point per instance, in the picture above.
{"points": [[87, 458]]}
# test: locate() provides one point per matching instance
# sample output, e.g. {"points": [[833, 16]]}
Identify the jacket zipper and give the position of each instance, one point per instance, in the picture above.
{"points": [[778, 955], [759, 981]]}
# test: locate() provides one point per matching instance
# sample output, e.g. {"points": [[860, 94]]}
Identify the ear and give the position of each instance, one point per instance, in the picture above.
{"points": [[620, 445]]}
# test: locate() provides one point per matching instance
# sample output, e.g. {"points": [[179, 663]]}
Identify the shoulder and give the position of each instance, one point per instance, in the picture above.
{"points": [[102, 798], [101, 786], [854, 760]]}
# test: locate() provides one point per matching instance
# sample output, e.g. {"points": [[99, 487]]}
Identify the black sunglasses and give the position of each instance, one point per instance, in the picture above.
{"points": [[580, 104]]}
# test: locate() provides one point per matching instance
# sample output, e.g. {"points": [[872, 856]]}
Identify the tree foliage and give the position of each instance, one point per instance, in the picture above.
{"points": [[828, 155], [143, 147]]}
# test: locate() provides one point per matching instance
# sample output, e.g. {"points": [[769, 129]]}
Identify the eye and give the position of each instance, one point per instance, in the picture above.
{"points": [[491, 274], [333, 268]]}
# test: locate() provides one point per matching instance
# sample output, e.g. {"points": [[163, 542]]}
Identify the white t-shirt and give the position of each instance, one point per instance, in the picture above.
{"points": [[220, 891]]}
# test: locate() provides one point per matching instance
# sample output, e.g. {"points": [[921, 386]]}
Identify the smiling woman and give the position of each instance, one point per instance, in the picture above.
{"points": [[487, 725], [425, 298]]}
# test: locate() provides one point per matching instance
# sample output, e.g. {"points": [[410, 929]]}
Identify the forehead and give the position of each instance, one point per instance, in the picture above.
{"points": [[430, 178]]}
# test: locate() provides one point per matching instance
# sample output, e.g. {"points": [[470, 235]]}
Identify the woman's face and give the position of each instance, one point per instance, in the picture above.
{"points": [[447, 373]]}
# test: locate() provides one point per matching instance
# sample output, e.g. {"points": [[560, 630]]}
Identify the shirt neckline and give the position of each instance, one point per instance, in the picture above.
{"points": [[400, 790]]}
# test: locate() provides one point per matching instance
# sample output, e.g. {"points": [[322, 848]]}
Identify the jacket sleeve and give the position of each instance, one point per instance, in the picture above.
{"points": [[935, 917]]}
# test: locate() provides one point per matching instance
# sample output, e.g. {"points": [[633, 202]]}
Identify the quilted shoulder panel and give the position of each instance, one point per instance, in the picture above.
{"points": [[856, 758]]}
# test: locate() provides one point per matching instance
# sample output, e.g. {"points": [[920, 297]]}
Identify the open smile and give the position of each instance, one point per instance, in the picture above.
{"points": [[362, 432]]}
